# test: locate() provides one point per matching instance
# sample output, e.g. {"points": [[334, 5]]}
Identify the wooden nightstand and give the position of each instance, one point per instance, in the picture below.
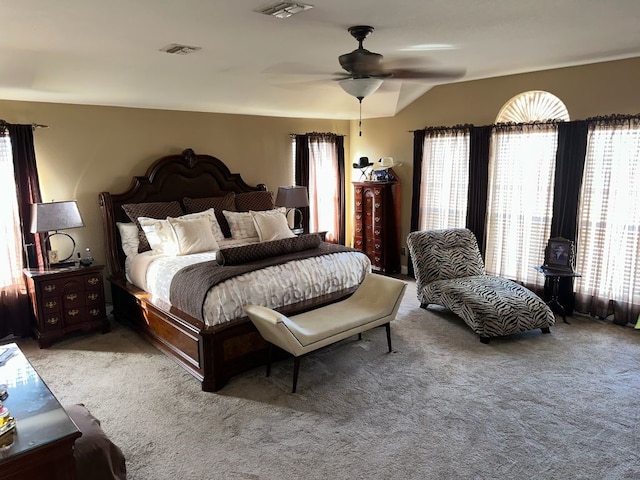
{"points": [[66, 300]]}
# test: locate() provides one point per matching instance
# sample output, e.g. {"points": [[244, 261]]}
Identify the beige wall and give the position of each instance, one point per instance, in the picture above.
{"points": [[589, 90], [89, 149]]}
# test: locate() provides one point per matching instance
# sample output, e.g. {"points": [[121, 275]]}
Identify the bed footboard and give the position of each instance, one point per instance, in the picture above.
{"points": [[211, 354]]}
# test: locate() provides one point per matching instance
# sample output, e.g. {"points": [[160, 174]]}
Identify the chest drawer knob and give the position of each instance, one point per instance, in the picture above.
{"points": [[94, 312], [49, 288], [51, 304], [52, 320], [73, 312], [93, 280], [72, 296], [92, 296]]}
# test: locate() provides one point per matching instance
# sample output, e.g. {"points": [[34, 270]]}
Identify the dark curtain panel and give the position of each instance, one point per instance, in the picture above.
{"points": [[570, 158], [28, 189], [341, 237], [478, 183], [418, 150], [15, 310], [302, 172]]}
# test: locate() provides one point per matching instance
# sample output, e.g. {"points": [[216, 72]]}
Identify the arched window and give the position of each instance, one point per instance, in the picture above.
{"points": [[533, 106]]}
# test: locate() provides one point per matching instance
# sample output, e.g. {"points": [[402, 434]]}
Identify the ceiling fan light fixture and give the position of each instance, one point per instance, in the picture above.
{"points": [[360, 87]]}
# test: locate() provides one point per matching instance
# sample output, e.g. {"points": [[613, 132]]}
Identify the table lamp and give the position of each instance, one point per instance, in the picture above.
{"points": [[293, 198], [51, 217]]}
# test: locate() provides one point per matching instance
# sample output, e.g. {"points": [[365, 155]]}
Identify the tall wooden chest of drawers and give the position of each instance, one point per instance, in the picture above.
{"points": [[66, 300], [377, 223]]}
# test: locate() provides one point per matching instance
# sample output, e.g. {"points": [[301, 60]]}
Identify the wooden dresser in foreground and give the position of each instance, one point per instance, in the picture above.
{"points": [[66, 300], [377, 224]]}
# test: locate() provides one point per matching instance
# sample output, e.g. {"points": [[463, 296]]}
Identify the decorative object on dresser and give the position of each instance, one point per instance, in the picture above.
{"points": [[377, 223], [363, 165], [66, 300], [216, 342], [293, 198], [52, 217]]}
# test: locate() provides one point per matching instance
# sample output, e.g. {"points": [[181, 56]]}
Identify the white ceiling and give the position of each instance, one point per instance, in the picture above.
{"points": [[107, 52]]}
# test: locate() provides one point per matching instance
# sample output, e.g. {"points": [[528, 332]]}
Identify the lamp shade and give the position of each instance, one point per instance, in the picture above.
{"points": [[49, 217], [360, 87], [292, 197]]}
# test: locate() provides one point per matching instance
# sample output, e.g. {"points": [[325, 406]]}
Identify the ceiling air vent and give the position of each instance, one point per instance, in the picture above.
{"points": [[283, 9], [180, 49]]}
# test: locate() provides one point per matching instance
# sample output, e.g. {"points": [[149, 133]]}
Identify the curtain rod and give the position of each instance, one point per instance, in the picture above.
{"points": [[4, 123], [293, 135]]}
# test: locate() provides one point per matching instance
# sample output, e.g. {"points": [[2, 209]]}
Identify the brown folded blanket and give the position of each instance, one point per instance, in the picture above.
{"points": [[190, 284], [258, 251]]}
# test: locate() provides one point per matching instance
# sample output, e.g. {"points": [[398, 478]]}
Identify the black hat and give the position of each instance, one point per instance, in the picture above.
{"points": [[363, 163]]}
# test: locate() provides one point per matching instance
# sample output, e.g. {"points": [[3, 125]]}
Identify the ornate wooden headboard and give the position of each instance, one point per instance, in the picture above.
{"points": [[170, 178]]}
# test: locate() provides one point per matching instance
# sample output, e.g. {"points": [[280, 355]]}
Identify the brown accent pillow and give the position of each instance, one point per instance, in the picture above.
{"points": [[258, 251], [95, 455], [195, 205], [160, 210], [256, 201]]}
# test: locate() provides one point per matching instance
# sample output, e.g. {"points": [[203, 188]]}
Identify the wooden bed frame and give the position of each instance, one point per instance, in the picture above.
{"points": [[211, 354]]}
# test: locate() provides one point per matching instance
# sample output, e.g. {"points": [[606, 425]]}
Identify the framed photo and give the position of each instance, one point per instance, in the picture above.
{"points": [[560, 254]]}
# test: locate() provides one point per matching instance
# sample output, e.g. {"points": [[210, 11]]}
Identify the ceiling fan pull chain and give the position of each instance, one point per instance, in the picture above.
{"points": [[360, 121]]}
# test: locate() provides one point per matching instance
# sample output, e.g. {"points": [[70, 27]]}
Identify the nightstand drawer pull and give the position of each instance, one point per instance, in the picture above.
{"points": [[93, 280], [72, 296], [73, 312], [52, 320], [51, 304], [92, 296], [49, 288], [94, 311]]}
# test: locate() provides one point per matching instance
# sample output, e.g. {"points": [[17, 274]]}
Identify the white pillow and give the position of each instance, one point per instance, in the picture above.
{"points": [[129, 238], [193, 235], [271, 226], [159, 235], [210, 215], [241, 223]]}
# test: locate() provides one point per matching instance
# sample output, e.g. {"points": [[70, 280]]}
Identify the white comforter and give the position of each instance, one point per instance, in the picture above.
{"points": [[272, 286]]}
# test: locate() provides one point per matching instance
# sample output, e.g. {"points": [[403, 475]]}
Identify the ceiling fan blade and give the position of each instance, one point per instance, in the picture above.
{"points": [[411, 74]]}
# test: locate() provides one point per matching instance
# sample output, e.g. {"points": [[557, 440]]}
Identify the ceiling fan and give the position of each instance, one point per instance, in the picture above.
{"points": [[364, 64], [366, 71]]}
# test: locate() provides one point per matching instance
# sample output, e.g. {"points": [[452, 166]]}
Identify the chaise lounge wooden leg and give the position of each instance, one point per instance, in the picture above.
{"points": [[484, 340], [545, 330], [387, 326], [296, 368], [269, 352]]}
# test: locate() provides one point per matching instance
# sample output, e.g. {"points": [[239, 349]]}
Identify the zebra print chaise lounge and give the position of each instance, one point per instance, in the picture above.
{"points": [[450, 272]]}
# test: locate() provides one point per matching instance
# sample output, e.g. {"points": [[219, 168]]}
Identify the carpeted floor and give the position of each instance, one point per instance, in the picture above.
{"points": [[441, 406]]}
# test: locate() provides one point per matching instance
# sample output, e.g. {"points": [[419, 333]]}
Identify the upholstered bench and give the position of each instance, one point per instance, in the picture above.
{"points": [[374, 303]]}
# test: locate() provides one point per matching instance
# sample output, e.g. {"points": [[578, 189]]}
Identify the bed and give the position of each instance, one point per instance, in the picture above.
{"points": [[217, 344]]}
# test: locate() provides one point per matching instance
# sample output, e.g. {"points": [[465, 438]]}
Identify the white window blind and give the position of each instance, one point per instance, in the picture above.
{"points": [[608, 243], [520, 200], [10, 237], [445, 180]]}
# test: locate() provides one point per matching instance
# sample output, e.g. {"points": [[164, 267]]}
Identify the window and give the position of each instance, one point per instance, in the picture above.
{"points": [[321, 166], [520, 200], [533, 106], [445, 179], [10, 237], [608, 243]]}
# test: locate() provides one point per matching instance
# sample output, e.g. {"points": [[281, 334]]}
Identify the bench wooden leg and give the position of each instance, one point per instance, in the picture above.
{"points": [[269, 353], [387, 326], [296, 368]]}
